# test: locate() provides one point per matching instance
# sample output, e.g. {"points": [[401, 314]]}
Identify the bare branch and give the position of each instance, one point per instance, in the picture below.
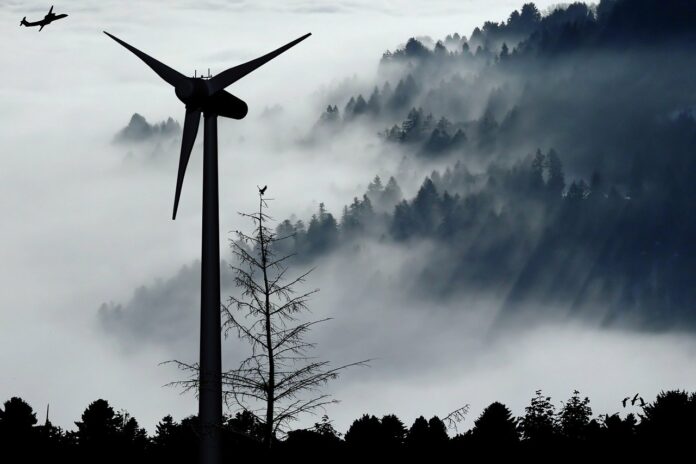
{"points": [[455, 417]]}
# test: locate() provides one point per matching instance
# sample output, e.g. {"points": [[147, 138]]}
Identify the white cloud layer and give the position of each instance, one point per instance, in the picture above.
{"points": [[82, 225]]}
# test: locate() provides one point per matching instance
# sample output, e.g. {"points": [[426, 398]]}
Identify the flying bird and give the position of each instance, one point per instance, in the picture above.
{"points": [[635, 398], [48, 19], [263, 190], [642, 403], [625, 400]]}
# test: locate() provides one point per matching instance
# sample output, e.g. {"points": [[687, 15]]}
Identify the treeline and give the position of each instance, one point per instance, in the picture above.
{"points": [[662, 430], [564, 28], [364, 217], [586, 246], [514, 82]]}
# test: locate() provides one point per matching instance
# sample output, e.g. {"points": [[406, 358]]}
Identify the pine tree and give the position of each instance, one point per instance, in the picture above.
{"points": [[556, 178]]}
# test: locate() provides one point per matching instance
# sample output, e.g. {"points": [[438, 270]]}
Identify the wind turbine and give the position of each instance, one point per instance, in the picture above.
{"points": [[207, 96]]}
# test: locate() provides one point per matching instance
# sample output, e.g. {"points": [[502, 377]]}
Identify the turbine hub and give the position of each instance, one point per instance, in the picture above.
{"points": [[192, 91]]}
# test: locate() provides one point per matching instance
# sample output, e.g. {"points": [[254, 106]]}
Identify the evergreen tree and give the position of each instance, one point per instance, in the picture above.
{"points": [[669, 425], [360, 106], [413, 125], [16, 414], [438, 431], [349, 109], [330, 116], [419, 434], [538, 171], [17, 420], [458, 139], [504, 52], [374, 104], [530, 14], [393, 431], [99, 425], [364, 433], [392, 193], [556, 178], [495, 428]]}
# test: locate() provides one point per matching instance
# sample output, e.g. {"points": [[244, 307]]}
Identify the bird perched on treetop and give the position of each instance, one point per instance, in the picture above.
{"points": [[263, 190]]}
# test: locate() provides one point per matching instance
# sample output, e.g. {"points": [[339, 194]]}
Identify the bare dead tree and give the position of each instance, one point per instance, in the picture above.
{"points": [[279, 380], [279, 374], [455, 417]]}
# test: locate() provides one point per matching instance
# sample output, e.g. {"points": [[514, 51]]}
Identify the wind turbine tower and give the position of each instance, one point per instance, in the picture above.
{"points": [[207, 96]]}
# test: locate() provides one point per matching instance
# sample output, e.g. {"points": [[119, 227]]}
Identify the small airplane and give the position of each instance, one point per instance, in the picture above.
{"points": [[48, 19]]}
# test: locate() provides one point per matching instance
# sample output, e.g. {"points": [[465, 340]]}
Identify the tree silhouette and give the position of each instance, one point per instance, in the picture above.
{"points": [[16, 414], [539, 421], [99, 426], [168, 443], [17, 420], [393, 432], [109, 436], [427, 435], [670, 423], [279, 381], [537, 181], [321, 439], [574, 417], [364, 433], [556, 177], [664, 434], [419, 434], [495, 431]]}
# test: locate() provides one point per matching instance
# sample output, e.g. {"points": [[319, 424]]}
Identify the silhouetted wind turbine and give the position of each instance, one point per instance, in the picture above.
{"points": [[207, 96]]}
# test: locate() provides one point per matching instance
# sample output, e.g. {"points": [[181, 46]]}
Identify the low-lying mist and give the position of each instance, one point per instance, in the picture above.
{"points": [[427, 357], [101, 286]]}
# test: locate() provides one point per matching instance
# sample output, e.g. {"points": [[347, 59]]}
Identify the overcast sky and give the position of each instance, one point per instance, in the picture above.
{"points": [[83, 223]]}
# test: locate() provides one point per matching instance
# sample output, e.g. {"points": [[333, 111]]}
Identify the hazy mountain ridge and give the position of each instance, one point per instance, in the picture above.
{"points": [[602, 228], [571, 162], [139, 130]]}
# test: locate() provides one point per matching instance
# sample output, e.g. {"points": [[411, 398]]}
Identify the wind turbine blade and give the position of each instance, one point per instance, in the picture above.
{"points": [[193, 119], [165, 72], [232, 75]]}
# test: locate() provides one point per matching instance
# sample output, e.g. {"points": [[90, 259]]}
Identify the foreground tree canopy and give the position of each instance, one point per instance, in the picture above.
{"points": [[662, 430]]}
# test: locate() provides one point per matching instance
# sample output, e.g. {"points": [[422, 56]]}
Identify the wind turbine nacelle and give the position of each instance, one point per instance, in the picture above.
{"points": [[195, 94], [226, 105]]}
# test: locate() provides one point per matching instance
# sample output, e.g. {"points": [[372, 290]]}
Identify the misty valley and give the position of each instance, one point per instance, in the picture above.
{"points": [[430, 243]]}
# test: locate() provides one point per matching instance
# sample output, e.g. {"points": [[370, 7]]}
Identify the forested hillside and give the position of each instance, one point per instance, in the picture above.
{"points": [[568, 144]]}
